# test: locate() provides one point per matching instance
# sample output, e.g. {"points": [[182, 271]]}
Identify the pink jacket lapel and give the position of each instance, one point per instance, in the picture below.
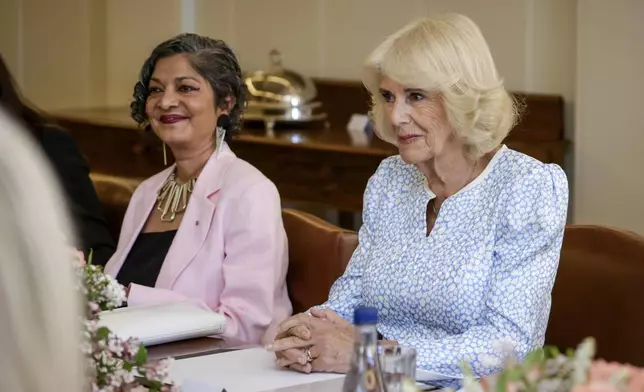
{"points": [[197, 219]]}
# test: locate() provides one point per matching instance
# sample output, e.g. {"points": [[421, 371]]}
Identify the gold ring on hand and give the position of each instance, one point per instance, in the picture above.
{"points": [[309, 358]]}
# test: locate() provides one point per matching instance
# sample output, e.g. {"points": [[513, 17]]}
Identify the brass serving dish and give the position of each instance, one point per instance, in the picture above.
{"points": [[281, 95]]}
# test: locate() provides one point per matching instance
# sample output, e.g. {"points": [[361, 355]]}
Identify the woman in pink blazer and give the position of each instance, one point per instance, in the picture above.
{"points": [[208, 229]]}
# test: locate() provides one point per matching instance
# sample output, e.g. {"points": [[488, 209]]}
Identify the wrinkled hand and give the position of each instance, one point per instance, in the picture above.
{"points": [[299, 333], [328, 336]]}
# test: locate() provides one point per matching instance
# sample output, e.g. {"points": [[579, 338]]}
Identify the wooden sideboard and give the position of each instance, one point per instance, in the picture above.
{"points": [[315, 164]]}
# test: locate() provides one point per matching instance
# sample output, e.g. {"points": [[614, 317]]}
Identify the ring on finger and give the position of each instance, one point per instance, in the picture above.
{"points": [[309, 358]]}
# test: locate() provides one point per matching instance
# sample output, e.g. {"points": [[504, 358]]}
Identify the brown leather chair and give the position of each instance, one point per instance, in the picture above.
{"points": [[599, 292], [115, 194], [318, 254]]}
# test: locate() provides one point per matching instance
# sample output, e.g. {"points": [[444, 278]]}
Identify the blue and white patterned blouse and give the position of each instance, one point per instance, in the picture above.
{"points": [[483, 275]]}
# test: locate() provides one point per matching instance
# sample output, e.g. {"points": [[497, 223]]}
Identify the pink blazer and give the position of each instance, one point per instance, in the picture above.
{"points": [[230, 253]]}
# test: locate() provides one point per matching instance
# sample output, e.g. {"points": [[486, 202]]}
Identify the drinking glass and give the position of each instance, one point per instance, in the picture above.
{"points": [[398, 363]]}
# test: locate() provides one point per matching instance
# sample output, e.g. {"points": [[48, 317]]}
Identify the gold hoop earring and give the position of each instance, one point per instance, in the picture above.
{"points": [[165, 156]]}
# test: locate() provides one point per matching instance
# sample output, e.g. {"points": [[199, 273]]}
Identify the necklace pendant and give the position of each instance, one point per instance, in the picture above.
{"points": [[168, 219], [173, 198]]}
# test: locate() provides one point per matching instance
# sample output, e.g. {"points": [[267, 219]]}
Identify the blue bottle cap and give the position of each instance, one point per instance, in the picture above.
{"points": [[365, 315]]}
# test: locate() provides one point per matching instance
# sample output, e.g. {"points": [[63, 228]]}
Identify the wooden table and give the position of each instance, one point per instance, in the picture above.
{"points": [[194, 348]]}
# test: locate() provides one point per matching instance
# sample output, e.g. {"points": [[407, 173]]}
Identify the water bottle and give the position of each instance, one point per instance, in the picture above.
{"points": [[364, 373]]}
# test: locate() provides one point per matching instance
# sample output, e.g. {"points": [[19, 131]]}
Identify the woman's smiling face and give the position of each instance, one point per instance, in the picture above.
{"points": [[181, 104]]}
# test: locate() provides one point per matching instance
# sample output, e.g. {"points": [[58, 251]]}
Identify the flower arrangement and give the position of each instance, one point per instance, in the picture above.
{"points": [[113, 364], [548, 370]]}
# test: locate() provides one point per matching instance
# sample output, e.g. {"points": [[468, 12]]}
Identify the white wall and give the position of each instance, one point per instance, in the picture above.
{"points": [[55, 50], [532, 40], [133, 29], [610, 128]]}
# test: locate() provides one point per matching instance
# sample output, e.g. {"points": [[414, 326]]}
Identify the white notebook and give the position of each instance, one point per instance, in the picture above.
{"points": [[164, 323]]}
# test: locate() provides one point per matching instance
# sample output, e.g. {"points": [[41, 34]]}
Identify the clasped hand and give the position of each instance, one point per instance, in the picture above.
{"points": [[319, 342]]}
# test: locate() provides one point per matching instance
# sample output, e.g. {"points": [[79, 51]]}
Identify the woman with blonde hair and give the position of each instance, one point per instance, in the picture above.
{"points": [[462, 235], [39, 309]]}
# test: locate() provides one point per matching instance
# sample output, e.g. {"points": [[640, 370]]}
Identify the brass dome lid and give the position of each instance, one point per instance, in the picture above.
{"points": [[279, 85], [280, 95]]}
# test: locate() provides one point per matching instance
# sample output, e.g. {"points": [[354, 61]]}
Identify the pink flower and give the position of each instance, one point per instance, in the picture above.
{"points": [[534, 374], [635, 382], [78, 256], [603, 371], [596, 387], [512, 387]]}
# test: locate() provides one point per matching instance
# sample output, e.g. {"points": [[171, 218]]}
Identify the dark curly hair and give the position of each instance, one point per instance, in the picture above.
{"points": [[212, 59]]}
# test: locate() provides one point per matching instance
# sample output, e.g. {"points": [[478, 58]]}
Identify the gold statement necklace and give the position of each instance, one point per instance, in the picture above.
{"points": [[173, 197]]}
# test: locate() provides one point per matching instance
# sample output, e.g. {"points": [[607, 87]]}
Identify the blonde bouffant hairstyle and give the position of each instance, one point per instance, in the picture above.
{"points": [[448, 55]]}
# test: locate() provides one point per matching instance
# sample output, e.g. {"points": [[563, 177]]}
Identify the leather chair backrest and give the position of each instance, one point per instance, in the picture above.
{"points": [[599, 292], [114, 193], [318, 254]]}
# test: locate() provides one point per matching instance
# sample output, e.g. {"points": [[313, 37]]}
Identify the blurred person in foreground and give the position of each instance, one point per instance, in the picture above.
{"points": [[462, 235], [208, 229], [40, 327], [70, 169]]}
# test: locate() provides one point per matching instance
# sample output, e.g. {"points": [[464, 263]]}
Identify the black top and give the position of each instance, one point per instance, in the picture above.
{"points": [[86, 209], [145, 259]]}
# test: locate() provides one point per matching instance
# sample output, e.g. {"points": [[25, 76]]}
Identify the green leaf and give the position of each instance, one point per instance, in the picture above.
{"points": [[152, 386], [90, 256], [528, 385], [514, 374], [102, 333], [552, 352], [127, 365], [141, 356], [501, 382], [535, 357]]}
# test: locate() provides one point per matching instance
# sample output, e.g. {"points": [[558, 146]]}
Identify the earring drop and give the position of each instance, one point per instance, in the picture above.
{"points": [[223, 122], [165, 156]]}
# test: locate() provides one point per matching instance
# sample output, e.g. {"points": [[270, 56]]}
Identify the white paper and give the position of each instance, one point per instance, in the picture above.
{"points": [[425, 376], [357, 129], [254, 370], [198, 386], [251, 370], [157, 324]]}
